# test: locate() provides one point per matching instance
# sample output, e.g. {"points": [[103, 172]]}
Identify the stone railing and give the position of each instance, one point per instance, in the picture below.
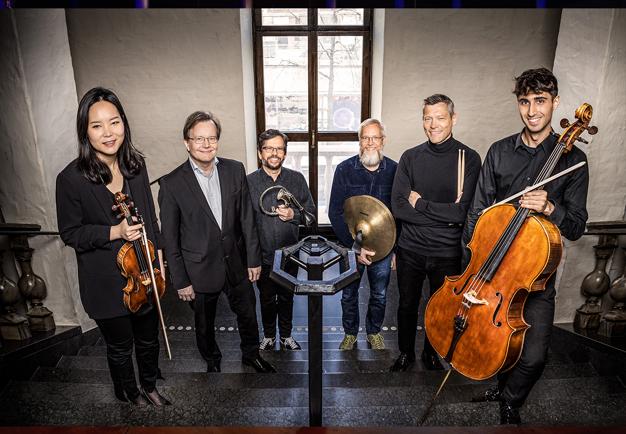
{"points": [[15, 325], [591, 315]]}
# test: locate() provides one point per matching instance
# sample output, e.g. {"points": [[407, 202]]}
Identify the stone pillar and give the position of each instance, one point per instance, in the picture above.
{"points": [[614, 321], [595, 285]]}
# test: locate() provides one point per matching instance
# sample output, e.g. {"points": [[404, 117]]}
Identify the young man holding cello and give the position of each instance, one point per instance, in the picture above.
{"points": [[510, 166]]}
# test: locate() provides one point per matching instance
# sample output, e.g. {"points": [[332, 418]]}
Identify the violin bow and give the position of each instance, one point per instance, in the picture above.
{"points": [[537, 185], [155, 290]]}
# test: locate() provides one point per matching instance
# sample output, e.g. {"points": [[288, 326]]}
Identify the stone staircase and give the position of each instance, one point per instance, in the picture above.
{"points": [[582, 385]]}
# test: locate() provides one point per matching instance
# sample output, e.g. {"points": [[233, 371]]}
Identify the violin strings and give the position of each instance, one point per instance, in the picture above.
{"points": [[507, 237]]}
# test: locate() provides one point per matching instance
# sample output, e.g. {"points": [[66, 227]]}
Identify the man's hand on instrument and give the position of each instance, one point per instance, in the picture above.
{"points": [[413, 197], [125, 231], [254, 274], [537, 200], [187, 293], [393, 261], [285, 213], [363, 256]]}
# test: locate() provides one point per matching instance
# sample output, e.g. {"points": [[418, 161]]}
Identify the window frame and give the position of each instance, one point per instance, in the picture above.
{"points": [[313, 30]]}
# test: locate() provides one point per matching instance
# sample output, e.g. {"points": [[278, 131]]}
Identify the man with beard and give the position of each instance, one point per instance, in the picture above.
{"points": [[510, 166], [276, 232], [369, 173], [432, 191]]}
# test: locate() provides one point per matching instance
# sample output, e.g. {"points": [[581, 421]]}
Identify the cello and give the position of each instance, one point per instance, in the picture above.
{"points": [[475, 320]]}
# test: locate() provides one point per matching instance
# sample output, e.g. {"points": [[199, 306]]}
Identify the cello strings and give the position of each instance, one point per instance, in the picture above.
{"points": [[507, 237]]}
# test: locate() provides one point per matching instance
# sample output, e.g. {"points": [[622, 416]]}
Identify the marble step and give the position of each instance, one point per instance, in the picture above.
{"points": [[52, 403], [191, 352], [391, 386]]}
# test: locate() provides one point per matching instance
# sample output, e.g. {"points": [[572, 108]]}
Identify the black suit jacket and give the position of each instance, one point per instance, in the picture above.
{"points": [[85, 217], [199, 253]]}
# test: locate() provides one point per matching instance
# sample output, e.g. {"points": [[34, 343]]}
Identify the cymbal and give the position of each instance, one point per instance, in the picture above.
{"points": [[372, 217]]}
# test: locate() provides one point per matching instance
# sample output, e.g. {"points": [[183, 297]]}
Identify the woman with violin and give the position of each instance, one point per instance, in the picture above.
{"points": [[108, 163], [510, 166]]}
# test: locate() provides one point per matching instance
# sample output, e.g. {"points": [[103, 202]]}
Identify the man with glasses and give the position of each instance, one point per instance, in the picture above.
{"points": [[276, 232], [368, 173], [210, 238], [432, 191]]}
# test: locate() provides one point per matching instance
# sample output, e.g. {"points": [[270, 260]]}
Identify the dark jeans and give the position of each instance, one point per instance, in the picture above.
{"points": [[517, 383], [242, 301], [378, 275], [120, 334], [412, 270], [276, 301]]}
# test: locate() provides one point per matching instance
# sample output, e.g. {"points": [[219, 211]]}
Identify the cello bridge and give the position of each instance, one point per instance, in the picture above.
{"points": [[470, 298]]}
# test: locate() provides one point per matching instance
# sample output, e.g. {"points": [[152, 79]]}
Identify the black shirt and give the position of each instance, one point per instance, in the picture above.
{"points": [[434, 226], [511, 166], [273, 232]]}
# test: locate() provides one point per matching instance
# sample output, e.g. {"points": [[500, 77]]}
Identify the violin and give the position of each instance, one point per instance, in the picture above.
{"points": [[133, 261], [475, 320]]}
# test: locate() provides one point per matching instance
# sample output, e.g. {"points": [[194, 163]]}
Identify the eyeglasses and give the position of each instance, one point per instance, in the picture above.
{"points": [[371, 139], [271, 150], [200, 140]]}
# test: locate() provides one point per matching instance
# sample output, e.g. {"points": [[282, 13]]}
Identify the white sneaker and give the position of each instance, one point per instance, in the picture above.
{"points": [[289, 344], [267, 344]]}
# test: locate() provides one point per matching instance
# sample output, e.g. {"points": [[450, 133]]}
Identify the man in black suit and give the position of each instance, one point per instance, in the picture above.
{"points": [[210, 239]]}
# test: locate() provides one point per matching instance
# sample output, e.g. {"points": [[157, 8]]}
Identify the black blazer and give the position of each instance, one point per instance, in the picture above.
{"points": [[85, 217], [199, 253]]}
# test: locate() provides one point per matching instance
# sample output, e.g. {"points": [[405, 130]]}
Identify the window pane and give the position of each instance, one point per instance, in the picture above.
{"points": [[284, 17], [340, 60], [330, 154], [340, 17], [285, 80], [297, 158]]}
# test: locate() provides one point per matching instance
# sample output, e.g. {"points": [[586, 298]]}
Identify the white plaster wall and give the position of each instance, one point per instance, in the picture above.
{"points": [[163, 65], [39, 105], [590, 62], [470, 55]]}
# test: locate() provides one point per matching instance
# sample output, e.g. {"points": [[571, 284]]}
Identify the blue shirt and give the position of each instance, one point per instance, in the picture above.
{"points": [[210, 185], [353, 179]]}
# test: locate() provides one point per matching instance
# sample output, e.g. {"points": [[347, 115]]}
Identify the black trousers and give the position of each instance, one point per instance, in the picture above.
{"points": [[120, 334], [276, 301], [242, 302], [412, 269], [516, 383]]}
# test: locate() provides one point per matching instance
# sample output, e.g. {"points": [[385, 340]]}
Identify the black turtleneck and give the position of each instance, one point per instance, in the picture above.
{"points": [[434, 226]]}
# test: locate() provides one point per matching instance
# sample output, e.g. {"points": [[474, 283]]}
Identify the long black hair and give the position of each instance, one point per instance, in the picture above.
{"points": [[130, 160]]}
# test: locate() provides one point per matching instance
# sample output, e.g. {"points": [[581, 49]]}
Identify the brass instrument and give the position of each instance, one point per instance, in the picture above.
{"points": [[289, 200]]}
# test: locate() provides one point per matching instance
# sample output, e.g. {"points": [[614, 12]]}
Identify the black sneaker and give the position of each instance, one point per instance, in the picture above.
{"points": [[289, 344]]}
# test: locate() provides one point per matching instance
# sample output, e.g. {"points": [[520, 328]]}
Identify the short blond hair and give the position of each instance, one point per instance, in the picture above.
{"points": [[371, 121]]}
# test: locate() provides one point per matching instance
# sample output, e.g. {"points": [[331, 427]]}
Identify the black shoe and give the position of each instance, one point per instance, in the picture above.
{"points": [[139, 401], [155, 398], [402, 363], [431, 361], [213, 366], [489, 395], [259, 364], [509, 415]]}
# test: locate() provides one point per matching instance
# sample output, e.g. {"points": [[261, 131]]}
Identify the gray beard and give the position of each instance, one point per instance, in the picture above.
{"points": [[371, 160]]}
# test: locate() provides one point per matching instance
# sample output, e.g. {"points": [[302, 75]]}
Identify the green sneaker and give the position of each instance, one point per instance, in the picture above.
{"points": [[348, 342], [376, 341]]}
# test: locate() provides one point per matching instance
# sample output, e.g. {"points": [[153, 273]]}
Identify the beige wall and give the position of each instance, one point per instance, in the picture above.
{"points": [[592, 69], [469, 55], [163, 65], [38, 106]]}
